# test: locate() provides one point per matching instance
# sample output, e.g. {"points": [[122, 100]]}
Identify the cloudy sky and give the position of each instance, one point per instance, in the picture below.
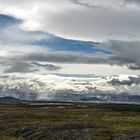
{"points": [[70, 37]]}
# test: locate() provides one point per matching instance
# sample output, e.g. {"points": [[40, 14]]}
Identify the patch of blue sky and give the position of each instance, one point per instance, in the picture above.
{"points": [[77, 75], [6, 20], [51, 42], [61, 44]]}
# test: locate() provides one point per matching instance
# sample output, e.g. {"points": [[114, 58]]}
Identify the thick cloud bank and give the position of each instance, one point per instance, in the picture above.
{"points": [[123, 53], [33, 47], [122, 88], [82, 19]]}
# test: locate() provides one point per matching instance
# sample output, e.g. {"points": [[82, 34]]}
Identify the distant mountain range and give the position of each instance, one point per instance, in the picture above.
{"points": [[9, 100]]}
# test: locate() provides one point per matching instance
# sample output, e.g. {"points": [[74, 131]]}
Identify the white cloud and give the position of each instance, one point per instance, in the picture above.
{"points": [[119, 20], [37, 86], [8, 51]]}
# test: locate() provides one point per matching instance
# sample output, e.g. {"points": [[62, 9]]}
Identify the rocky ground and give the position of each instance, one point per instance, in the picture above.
{"points": [[69, 121]]}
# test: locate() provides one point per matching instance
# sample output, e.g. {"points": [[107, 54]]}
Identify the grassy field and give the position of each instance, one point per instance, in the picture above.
{"points": [[69, 122]]}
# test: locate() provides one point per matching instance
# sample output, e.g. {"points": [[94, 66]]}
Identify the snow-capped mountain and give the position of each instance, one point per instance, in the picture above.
{"points": [[118, 88]]}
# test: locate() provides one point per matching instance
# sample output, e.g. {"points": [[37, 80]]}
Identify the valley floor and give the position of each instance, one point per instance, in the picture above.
{"points": [[73, 121]]}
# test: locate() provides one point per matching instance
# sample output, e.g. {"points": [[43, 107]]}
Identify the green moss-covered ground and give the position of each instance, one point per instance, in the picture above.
{"points": [[90, 121]]}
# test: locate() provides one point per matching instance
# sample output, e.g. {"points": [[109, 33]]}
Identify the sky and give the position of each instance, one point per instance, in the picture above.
{"points": [[69, 38]]}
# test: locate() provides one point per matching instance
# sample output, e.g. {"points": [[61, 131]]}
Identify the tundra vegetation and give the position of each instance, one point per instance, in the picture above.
{"points": [[69, 121]]}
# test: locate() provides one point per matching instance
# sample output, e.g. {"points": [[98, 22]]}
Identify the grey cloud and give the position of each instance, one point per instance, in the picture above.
{"points": [[115, 22], [65, 57], [123, 53], [95, 24], [134, 67], [25, 67], [103, 5], [79, 2], [129, 82], [132, 1], [21, 67], [49, 67]]}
